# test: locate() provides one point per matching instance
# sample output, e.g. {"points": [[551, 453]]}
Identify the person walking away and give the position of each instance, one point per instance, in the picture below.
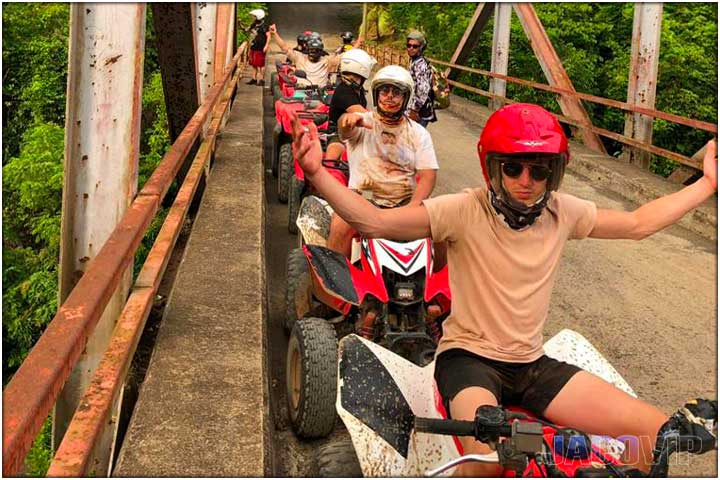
{"points": [[421, 109], [258, 47]]}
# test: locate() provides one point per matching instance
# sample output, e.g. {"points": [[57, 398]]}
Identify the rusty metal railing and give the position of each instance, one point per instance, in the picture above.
{"points": [[384, 54], [34, 388]]}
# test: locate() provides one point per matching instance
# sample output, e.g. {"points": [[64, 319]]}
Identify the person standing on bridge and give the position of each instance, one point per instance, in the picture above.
{"points": [[421, 109], [258, 47], [316, 64], [504, 247], [391, 158]]}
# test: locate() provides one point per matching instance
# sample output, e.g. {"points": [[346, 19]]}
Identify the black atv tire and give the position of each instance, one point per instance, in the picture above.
{"points": [[296, 269], [285, 170], [295, 195], [311, 372], [337, 459], [273, 81], [276, 142]]}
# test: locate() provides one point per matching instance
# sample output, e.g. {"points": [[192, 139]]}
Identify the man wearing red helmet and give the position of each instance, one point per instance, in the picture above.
{"points": [[504, 246]]}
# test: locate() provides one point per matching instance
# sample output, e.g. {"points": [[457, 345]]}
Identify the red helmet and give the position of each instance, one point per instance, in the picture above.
{"points": [[522, 128]]}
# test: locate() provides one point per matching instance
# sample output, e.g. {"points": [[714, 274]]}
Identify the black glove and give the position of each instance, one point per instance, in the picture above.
{"points": [[696, 424]]}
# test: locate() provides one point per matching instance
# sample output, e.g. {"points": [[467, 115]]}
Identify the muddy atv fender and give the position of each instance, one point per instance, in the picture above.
{"points": [[312, 377]]}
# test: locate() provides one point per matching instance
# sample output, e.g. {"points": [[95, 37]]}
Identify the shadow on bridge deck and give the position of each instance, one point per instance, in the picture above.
{"points": [[203, 407]]}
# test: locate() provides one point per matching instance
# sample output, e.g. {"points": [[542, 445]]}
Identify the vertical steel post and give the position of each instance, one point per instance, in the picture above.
{"points": [[204, 20], [102, 141], [642, 81], [500, 51]]}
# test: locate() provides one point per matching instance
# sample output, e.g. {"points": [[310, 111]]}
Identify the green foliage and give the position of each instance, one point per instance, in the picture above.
{"points": [[34, 68], [39, 457], [32, 193], [593, 42]]}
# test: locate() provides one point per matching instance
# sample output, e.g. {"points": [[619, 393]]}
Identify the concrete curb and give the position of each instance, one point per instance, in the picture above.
{"points": [[629, 182]]}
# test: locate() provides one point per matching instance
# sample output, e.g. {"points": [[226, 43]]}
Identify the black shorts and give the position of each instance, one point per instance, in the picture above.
{"points": [[531, 386]]}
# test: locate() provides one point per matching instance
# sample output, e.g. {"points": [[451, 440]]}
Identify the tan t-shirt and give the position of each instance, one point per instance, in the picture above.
{"points": [[317, 72], [501, 279]]}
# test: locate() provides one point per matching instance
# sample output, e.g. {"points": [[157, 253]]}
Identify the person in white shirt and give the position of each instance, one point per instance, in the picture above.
{"points": [[316, 64]]}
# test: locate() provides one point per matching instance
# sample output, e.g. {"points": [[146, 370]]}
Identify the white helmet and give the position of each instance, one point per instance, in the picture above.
{"points": [[258, 13], [357, 61], [393, 75]]}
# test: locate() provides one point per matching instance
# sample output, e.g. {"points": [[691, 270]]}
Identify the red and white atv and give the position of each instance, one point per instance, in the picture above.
{"points": [[398, 426], [387, 293]]}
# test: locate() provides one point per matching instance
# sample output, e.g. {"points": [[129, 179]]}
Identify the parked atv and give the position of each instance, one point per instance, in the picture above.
{"points": [[398, 426], [386, 292]]}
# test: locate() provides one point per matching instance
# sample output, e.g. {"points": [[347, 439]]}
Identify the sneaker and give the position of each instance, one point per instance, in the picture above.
{"points": [[251, 82]]}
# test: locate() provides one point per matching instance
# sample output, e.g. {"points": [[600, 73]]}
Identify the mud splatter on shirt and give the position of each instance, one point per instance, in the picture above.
{"points": [[385, 159]]}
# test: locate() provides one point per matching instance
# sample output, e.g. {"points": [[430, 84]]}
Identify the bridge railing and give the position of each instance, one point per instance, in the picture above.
{"points": [[33, 390], [389, 56]]}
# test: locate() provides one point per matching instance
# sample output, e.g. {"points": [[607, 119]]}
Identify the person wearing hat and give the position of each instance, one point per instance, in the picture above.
{"points": [[258, 47], [421, 109]]}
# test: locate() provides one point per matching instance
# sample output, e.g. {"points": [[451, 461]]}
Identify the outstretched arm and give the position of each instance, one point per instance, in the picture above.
{"points": [[278, 39], [403, 223], [662, 212]]}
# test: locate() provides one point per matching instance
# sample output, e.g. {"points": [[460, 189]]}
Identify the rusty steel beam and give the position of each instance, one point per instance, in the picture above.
{"points": [[500, 50], [481, 16], [74, 454], [32, 391], [102, 142], [222, 35], [555, 72], [670, 117], [642, 79], [176, 56], [204, 20], [694, 162]]}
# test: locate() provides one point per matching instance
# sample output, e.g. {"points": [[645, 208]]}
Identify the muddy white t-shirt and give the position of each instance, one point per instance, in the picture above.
{"points": [[501, 279], [385, 159], [317, 72]]}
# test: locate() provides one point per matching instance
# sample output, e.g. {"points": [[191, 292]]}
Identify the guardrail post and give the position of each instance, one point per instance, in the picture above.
{"points": [[102, 141], [500, 51], [204, 23], [642, 81], [224, 30]]}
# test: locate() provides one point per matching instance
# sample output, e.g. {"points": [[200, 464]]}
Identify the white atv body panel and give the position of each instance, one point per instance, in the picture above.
{"points": [[387, 450]]}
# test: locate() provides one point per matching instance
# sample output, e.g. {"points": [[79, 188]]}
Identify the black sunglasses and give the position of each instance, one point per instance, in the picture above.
{"points": [[412, 45], [515, 169]]}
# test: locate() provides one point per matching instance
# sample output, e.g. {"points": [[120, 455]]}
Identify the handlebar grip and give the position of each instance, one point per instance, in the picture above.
{"points": [[461, 428]]}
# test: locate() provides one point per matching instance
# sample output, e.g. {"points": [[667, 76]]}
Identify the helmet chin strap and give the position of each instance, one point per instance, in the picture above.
{"points": [[517, 215]]}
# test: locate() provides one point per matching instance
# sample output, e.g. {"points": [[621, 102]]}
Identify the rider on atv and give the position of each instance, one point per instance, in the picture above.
{"points": [[349, 95], [348, 44], [391, 158], [504, 246], [316, 64]]}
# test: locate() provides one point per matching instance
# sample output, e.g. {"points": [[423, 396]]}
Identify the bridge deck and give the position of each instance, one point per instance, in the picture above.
{"points": [[203, 406]]}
